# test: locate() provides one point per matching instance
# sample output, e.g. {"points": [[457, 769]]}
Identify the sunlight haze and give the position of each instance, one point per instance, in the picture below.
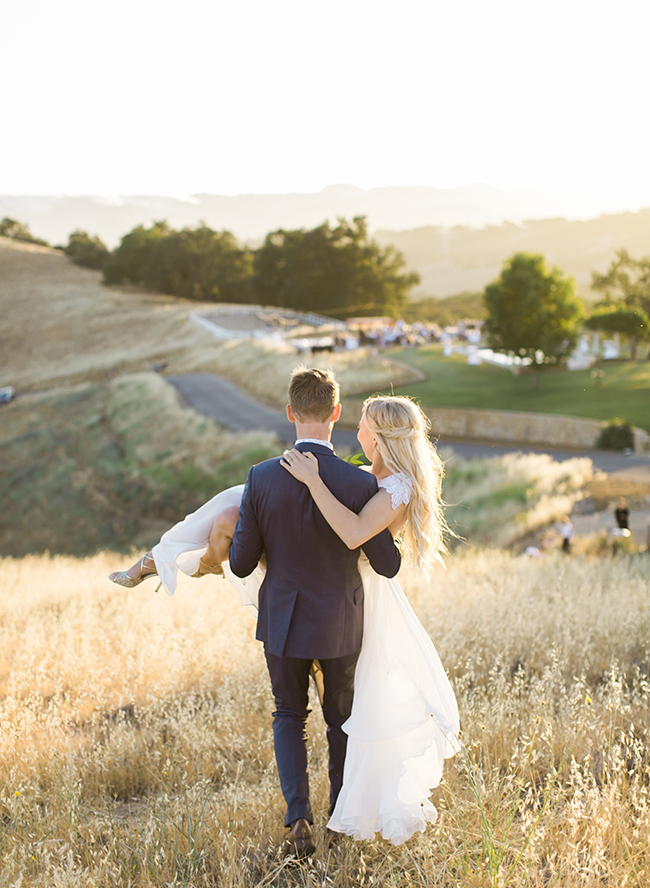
{"points": [[252, 97]]}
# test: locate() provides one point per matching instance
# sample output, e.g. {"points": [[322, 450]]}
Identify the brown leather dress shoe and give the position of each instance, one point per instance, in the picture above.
{"points": [[300, 841]]}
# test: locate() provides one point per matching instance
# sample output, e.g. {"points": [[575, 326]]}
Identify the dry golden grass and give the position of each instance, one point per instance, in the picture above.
{"points": [[135, 730], [136, 746], [605, 491], [503, 499], [62, 326], [111, 465], [264, 368]]}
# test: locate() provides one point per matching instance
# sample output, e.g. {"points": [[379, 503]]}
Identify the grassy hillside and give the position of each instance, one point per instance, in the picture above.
{"points": [[97, 451], [501, 500], [137, 748], [451, 382], [61, 326], [111, 465]]}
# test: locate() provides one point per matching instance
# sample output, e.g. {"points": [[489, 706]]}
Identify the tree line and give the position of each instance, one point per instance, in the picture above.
{"points": [[336, 270], [530, 311]]}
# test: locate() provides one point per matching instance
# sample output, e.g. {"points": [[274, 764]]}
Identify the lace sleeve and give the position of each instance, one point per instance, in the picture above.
{"points": [[400, 488]]}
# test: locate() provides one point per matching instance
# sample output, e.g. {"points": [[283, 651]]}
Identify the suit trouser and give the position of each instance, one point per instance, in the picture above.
{"points": [[290, 684]]}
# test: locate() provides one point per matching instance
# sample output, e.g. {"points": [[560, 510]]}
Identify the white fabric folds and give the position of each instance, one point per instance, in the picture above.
{"points": [[404, 722], [184, 544]]}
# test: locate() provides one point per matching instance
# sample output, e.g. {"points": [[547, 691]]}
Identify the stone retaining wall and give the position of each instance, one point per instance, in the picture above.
{"points": [[508, 427]]}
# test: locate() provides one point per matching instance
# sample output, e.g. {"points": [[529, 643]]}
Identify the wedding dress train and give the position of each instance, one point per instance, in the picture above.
{"points": [[404, 720]]}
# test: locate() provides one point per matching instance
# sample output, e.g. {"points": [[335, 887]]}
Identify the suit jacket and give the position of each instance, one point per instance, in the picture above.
{"points": [[311, 600]]}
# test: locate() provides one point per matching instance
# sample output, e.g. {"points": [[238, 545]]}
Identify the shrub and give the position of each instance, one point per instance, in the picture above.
{"points": [[19, 231], [90, 252], [616, 435]]}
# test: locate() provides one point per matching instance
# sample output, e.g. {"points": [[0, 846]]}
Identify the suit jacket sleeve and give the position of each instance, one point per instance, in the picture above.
{"points": [[383, 554], [247, 544]]}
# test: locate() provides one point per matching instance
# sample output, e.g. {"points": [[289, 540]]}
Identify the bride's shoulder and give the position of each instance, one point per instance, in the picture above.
{"points": [[400, 488]]}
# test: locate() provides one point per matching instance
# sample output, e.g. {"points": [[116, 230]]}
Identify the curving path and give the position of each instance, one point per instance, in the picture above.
{"points": [[228, 405]]}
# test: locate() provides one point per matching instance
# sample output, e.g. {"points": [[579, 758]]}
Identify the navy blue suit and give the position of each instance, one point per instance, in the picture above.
{"points": [[311, 604]]}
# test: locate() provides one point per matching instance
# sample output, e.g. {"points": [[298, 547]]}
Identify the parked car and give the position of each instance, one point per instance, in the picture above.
{"points": [[7, 394]]}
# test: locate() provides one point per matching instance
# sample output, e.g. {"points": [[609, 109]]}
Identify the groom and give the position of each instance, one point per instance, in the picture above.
{"points": [[311, 600]]}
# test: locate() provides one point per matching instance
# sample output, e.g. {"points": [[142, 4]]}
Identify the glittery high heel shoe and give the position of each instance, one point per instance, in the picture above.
{"points": [[122, 578], [205, 571]]}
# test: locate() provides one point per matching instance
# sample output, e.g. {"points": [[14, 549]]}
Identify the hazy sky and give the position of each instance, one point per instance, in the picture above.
{"points": [[158, 97]]}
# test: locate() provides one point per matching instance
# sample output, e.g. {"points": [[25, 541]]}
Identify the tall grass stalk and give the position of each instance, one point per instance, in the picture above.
{"points": [[136, 745]]}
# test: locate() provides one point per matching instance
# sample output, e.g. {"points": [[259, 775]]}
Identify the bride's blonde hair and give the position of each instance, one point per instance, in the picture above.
{"points": [[402, 432]]}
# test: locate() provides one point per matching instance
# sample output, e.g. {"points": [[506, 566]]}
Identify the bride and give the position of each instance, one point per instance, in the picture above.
{"points": [[404, 719]]}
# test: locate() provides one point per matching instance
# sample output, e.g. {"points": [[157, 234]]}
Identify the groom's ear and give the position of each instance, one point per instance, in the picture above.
{"points": [[337, 412], [290, 414]]}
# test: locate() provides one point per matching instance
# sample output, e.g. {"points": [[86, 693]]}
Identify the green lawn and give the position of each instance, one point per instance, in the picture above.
{"points": [[451, 382]]}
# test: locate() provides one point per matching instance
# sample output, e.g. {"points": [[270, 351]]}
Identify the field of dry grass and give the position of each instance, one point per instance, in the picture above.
{"points": [[111, 465], [135, 730], [501, 500], [136, 749], [61, 326]]}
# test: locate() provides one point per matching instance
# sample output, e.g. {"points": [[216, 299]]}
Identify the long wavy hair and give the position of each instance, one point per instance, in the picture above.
{"points": [[402, 432]]}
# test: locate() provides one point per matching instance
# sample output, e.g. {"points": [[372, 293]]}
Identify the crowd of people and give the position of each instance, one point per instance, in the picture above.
{"points": [[382, 333]]}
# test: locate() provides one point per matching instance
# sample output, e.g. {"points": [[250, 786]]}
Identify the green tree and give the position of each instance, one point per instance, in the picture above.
{"points": [[195, 263], [90, 252], [533, 312], [199, 263], [625, 285], [616, 318], [131, 261], [19, 231], [337, 271]]}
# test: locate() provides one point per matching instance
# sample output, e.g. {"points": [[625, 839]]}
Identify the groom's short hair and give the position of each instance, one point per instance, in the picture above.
{"points": [[313, 394]]}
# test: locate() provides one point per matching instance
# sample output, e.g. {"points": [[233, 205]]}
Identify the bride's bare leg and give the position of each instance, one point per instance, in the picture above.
{"points": [[221, 537]]}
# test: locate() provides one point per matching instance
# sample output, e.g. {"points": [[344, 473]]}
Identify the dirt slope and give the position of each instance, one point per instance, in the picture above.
{"points": [[59, 324]]}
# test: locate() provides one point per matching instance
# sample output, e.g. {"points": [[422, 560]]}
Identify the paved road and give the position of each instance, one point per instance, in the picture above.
{"points": [[229, 406]]}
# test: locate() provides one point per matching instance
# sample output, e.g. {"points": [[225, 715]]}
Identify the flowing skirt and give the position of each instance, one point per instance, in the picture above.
{"points": [[404, 720], [403, 725]]}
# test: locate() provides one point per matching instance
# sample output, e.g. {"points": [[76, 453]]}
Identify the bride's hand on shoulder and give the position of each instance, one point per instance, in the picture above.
{"points": [[303, 466]]}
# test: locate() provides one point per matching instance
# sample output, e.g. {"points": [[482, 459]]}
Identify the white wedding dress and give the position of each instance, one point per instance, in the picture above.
{"points": [[404, 720]]}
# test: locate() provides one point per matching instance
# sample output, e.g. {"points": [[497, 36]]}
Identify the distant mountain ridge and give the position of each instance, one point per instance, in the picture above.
{"points": [[251, 216], [451, 261]]}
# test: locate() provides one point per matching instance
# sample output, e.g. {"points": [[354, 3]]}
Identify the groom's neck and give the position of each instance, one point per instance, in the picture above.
{"points": [[320, 430]]}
